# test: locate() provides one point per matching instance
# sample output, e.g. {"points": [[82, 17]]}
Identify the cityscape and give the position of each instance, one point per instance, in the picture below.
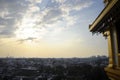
{"points": [[91, 68], [53, 40]]}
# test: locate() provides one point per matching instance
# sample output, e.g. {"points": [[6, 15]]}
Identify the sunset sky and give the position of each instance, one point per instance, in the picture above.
{"points": [[50, 28]]}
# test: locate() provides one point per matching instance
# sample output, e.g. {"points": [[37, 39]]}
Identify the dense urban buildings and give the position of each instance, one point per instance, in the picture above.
{"points": [[53, 68]]}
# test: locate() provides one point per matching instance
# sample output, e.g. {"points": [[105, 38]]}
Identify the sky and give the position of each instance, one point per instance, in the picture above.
{"points": [[50, 28]]}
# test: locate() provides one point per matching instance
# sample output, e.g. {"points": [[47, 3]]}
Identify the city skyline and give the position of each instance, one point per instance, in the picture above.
{"points": [[50, 28]]}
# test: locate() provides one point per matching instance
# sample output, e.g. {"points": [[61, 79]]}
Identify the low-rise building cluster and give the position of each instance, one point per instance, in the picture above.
{"points": [[52, 68]]}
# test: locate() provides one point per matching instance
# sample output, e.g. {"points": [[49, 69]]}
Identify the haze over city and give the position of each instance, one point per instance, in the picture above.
{"points": [[50, 28]]}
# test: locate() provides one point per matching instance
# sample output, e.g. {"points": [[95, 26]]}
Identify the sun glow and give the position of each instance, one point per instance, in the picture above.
{"points": [[27, 29], [27, 32]]}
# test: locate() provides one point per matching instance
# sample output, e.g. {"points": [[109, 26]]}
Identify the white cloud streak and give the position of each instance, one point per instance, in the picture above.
{"points": [[43, 16]]}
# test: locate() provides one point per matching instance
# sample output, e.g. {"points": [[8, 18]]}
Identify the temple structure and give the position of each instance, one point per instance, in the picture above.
{"points": [[108, 23]]}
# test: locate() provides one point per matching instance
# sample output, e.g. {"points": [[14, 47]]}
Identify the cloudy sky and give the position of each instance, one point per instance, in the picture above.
{"points": [[50, 28]]}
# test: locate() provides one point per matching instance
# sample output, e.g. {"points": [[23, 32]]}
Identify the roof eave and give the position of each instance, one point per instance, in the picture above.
{"points": [[94, 25]]}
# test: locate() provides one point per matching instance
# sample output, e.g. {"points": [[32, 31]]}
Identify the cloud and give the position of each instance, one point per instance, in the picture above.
{"points": [[27, 39], [35, 1], [50, 15], [62, 10], [7, 27], [11, 11], [60, 1], [70, 5]]}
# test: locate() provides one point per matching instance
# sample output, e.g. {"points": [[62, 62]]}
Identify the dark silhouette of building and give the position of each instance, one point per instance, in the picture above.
{"points": [[108, 23]]}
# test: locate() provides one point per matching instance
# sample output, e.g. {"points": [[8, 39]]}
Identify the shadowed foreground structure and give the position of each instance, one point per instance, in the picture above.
{"points": [[108, 23]]}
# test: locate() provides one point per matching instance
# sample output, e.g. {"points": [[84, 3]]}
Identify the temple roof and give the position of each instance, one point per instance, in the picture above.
{"points": [[108, 14]]}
